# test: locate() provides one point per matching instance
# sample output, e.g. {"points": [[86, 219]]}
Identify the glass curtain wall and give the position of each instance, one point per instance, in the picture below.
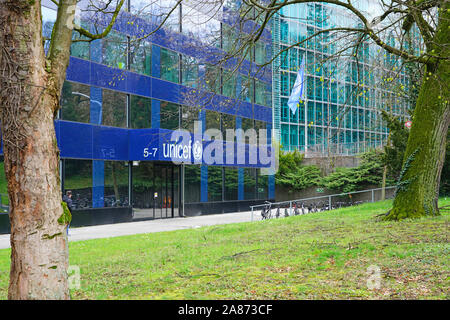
{"points": [[340, 95]]}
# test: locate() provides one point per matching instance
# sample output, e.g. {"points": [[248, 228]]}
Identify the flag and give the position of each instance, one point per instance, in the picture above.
{"points": [[298, 91]]}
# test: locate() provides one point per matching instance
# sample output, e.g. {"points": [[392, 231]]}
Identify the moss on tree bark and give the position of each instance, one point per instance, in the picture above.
{"points": [[425, 152]]}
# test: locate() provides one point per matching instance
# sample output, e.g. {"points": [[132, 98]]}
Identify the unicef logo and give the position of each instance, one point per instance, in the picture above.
{"points": [[197, 150]]}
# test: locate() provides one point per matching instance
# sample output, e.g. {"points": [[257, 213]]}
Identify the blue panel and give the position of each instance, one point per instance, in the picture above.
{"points": [[78, 70], [204, 184], [87, 141], [240, 183], [98, 184], [156, 61], [110, 143], [263, 113], [143, 144], [271, 186], [105, 77], [138, 84], [76, 140], [165, 90], [156, 112]]}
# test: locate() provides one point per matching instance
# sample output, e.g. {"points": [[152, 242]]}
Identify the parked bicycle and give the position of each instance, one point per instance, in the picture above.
{"points": [[266, 211]]}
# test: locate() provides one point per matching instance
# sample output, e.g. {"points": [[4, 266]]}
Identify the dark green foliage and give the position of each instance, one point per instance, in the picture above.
{"points": [[293, 175], [369, 172], [303, 177], [289, 162]]}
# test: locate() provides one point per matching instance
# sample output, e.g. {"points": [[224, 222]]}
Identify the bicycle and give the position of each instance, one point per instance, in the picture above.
{"points": [[266, 211]]}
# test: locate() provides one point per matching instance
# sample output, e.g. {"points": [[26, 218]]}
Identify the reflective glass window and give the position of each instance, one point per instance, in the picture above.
{"points": [[141, 57], [231, 183], [192, 181], [188, 117], [114, 106], [169, 65], [116, 184], [249, 183], [169, 115], [140, 112], [214, 183], [114, 50], [78, 179], [189, 71], [75, 102]]}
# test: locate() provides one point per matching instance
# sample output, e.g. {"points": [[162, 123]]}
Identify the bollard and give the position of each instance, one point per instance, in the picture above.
{"points": [[252, 214], [290, 208], [329, 202]]}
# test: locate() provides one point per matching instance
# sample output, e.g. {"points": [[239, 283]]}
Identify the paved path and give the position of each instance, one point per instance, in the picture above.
{"points": [[159, 225]]}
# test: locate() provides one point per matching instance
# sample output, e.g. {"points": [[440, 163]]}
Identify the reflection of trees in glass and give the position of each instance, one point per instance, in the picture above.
{"points": [[260, 52], [188, 116], [229, 84], [140, 112], [231, 183], [261, 93], [143, 184], [114, 50], [192, 183], [249, 183], [80, 49], [78, 178], [228, 122], [114, 108], [141, 57], [189, 71], [229, 38], [214, 183], [169, 65], [260, 125], [263, 182], [212, 78], [246, 93], [169, 113], [75, 102], [116, 178]]}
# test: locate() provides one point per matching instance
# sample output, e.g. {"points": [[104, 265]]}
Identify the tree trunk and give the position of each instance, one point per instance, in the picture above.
{"points": [[383, 184], [418, 190], [29, 97]]}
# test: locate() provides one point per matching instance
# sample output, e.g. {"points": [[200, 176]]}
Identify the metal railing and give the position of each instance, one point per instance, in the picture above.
{"points": [[329, 202], [336, 149]]}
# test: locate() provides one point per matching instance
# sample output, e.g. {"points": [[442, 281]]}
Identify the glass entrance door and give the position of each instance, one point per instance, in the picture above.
{"points": [[155, 190]]}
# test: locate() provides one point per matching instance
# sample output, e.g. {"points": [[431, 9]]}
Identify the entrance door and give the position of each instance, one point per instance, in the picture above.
{"points": [[162, 191]]}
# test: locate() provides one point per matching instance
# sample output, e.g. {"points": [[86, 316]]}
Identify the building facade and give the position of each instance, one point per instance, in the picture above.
{"points": [[126, 96], [344, 92]]}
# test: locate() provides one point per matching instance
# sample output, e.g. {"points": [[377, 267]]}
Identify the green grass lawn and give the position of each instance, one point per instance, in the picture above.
{"points": [[316, 256]]}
